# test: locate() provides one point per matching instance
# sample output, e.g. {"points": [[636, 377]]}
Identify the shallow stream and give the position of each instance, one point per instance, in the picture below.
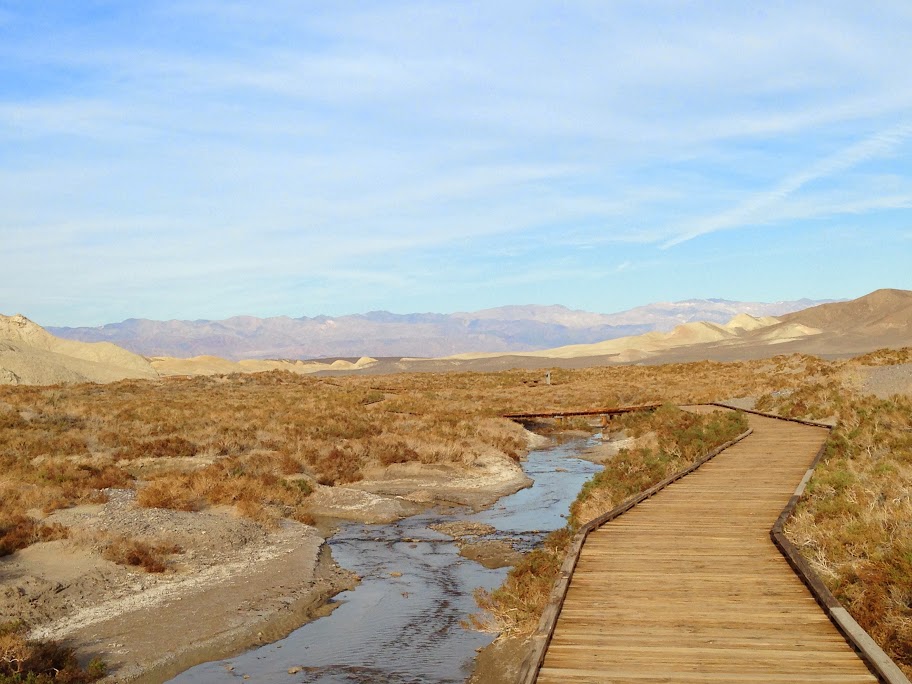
{"points": [[401, 624]]}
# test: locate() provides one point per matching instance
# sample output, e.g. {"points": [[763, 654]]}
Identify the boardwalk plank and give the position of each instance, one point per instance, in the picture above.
{"points": [[688, 587]]}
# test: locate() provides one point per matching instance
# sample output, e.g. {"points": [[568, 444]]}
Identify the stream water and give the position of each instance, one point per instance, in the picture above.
{"points": [[401, 624]]}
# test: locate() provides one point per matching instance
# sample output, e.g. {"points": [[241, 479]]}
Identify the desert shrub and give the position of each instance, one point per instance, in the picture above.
{"points": [[19, 531], [372, 397], [516, 606], [338, 466], [41, 662], [289, 465], [388, 453], [10, 420], [76, 478], [168, 492], [137, 553], [885, 357], [253, 484], [172, 446], [303, 486]]}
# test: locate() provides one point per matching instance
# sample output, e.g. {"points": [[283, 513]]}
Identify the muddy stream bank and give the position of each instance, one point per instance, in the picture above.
{"points": [[401, 624]]}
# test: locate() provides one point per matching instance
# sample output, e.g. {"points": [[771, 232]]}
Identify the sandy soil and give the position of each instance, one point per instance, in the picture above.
{"points": [[214, 365], [491, 553], [499, 663], [403, 489], [236, 585], [348, 503], [478, 484], [885, 381]]}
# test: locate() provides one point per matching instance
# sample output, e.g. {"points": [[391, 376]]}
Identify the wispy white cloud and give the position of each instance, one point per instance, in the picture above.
{"points": [[755, 208]]}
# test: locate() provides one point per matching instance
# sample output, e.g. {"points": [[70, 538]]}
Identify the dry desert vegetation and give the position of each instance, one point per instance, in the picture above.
{"points": [[269, 450]]}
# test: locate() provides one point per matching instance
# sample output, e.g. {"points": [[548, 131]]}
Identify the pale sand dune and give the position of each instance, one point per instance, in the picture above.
{"points": [[214, 365], [197, 365], [29, 355], [642, 346], [787, 332], [746, 322]]}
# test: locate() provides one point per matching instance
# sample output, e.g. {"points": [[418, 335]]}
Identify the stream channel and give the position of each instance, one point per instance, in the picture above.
{"points": [[405, 629]]}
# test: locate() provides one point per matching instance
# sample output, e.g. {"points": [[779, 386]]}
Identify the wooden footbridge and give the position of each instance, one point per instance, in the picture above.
{"points": [[688, 585]]}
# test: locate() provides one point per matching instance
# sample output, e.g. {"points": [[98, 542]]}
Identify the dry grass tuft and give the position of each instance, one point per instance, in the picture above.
{"points": [[19, 531], [29, 662], [137, 553]]}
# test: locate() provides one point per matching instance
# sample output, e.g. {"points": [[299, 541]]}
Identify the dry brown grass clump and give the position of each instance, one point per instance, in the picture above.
{"points": [[885, 357], [255, 485], [28, 662], [151, 557], [20, 531]]}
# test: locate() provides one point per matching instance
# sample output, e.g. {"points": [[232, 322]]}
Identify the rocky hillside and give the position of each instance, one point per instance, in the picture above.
{"points": [[883, 314], [30, 355]]}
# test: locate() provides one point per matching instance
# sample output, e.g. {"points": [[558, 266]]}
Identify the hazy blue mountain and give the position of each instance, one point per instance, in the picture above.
{"points": [[381, 333]]}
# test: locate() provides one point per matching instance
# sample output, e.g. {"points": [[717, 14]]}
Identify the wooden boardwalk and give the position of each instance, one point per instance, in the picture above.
{"points": [[688, 587]]}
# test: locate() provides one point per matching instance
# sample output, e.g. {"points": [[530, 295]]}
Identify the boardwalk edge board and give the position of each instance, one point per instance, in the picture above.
{"points": [[528, 672], [878, 661], [803, 421]]}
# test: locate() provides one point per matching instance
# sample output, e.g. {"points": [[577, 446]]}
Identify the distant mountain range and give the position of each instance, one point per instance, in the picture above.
{"points": [[882, 319], [384, 334]]}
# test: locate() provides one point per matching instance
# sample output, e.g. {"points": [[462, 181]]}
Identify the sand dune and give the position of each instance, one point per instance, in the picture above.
{"points": [[745, 322], [214, 365], [29, 355], [639, 347]]}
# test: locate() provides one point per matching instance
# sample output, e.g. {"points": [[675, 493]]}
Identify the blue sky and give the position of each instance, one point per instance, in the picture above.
{"points": [[202, 159]]}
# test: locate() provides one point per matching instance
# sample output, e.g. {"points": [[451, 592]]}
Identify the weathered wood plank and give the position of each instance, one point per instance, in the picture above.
{"points": [[688, 587]]}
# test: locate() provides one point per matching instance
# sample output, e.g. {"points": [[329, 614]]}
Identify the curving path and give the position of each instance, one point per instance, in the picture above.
{"points": [[688, 587]]}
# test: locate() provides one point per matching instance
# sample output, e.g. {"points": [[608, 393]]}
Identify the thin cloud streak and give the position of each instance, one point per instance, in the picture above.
{"points": [[750, 211]]}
